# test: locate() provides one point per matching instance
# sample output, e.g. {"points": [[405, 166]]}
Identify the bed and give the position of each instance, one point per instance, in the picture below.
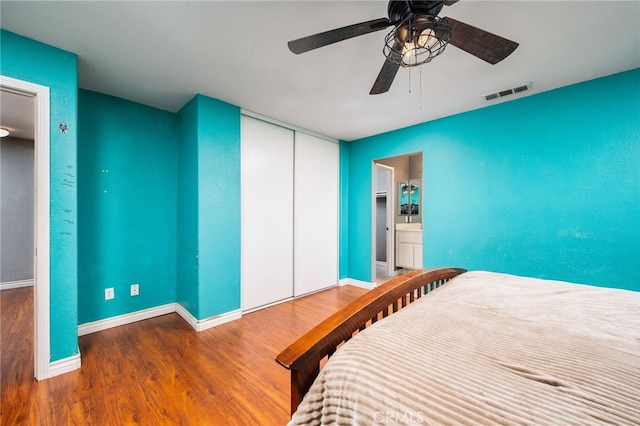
{"points": [[471, 348]]}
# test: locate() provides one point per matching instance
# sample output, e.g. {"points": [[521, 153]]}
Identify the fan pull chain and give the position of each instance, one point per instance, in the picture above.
{"points": [[415, 55], [421, 88]]}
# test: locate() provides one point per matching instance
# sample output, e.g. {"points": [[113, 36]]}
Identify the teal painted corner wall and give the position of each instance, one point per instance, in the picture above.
{"points": [[127, 216], [209, 207], [545, 186], [187, 209], [219, 206], [37, 63], [159, 206]]}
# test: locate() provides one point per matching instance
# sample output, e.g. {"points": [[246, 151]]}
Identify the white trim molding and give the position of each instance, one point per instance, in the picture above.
{"points": [[357, 283], [205, 324], [104, 324], [16, 284], [64, 365], [169, 308]]}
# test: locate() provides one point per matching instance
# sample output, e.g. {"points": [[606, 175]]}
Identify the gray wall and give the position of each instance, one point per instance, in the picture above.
{"points": [[381, 229], [17, 209]]}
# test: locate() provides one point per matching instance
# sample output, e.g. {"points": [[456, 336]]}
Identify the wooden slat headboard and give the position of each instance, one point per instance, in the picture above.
{"points": [[303, 357]]}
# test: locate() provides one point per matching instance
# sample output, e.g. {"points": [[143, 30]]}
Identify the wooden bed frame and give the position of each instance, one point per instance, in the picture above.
{"points": [[305, 356]]}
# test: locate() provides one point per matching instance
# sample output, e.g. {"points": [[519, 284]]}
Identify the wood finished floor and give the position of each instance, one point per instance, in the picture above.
{"points": [[160, 371]]}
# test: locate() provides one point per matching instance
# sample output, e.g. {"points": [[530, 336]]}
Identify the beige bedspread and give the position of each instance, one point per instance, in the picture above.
{"points": [[490, 349]]}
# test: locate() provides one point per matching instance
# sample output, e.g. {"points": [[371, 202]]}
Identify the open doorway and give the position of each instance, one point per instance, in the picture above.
{"points": [[384, 224], [392, 219], [25, 114], [17, 191]]}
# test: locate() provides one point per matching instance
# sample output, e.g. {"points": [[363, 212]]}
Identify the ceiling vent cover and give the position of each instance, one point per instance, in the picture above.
{"points": [[506, 92]]}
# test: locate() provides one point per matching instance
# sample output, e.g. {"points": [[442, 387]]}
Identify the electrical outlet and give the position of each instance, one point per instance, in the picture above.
{"points": [[135, 289], [109, 293]]}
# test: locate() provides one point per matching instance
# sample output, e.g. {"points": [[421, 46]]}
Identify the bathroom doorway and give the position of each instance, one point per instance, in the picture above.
{"points": [[384, 252], [390, 215]]}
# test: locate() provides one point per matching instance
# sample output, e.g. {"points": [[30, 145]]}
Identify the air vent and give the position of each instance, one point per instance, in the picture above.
{"points": [[506, 92], [520, 88]]}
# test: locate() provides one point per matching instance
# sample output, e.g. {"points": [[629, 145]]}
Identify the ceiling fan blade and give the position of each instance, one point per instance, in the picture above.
{"points": [[480, 43], [387, 73], [315, 41]]}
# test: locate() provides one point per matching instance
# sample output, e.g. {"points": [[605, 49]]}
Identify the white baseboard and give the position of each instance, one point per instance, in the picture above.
{"points": [[94, 326], [64, 365], [201, 325], [16, 284], [357, 283], [196, 324]]}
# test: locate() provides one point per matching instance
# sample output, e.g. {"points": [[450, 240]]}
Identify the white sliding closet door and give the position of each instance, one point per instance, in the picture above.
{"points": [[316, 214], [267, 213]]}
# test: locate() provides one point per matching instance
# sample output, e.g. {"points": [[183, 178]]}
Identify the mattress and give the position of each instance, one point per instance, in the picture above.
{"points": [[489, 348]]}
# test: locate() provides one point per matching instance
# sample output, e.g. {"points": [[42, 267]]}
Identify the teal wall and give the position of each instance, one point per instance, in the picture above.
{"points": [[187, 209], [28, 60], [219, 207], [209, 207], [159, 206], [127, 216], [545, 186]]}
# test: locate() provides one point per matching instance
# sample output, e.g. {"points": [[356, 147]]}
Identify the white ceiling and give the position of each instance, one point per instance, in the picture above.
{"points": [[161, 53]]}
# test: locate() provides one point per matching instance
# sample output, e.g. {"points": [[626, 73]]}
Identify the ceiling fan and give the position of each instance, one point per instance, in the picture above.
{"points": [[418, 36]]}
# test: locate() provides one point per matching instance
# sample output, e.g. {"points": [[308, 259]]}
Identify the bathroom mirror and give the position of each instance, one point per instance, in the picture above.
{"points": [[409, 196]]}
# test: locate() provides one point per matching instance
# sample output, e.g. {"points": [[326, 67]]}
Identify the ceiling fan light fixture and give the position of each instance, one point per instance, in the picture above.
{"points": [[417, 41], [418, 36], [424, 39]]}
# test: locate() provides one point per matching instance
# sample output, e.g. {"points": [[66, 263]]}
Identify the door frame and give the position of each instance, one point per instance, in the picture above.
{"points": [[390, 214], [41, 277]]}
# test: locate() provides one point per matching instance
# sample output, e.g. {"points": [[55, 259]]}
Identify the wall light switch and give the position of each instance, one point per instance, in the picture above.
{"points": [[135, 289], [109, 293]]}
